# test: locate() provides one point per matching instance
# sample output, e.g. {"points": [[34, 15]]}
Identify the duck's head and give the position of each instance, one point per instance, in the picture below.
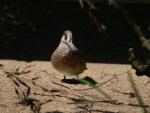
{"points": [[67, 38]]}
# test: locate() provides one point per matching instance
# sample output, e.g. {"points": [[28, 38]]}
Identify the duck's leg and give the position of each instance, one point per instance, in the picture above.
{"points": [[64, 77]]}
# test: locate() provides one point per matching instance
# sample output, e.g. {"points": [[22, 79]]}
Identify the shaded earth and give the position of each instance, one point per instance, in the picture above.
{"points": [[50, 18], [35, 87]]}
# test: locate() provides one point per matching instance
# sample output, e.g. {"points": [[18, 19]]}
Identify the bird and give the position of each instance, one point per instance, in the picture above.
{"points": [[66, 59]]}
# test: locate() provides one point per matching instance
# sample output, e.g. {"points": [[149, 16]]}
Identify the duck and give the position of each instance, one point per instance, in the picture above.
{"points": [[66, 59]]}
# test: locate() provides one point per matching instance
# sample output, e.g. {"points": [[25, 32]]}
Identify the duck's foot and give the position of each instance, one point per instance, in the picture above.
{"points": [[71, 80]]}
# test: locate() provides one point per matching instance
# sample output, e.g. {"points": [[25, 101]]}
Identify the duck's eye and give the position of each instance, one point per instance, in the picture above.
{"points": [[65, 37]]}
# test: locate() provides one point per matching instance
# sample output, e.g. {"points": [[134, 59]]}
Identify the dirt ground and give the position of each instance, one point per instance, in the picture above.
{"points": [[35, 87]]}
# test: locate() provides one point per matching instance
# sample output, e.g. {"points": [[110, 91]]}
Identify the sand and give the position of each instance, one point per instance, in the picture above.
{"points": [[35, 87]]}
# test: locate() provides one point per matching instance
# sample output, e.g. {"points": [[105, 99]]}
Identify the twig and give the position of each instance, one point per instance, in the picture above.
{"points": [[136, 92]]}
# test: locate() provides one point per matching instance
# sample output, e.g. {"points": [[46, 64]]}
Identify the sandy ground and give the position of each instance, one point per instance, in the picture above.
{"points": [[35, 87]]}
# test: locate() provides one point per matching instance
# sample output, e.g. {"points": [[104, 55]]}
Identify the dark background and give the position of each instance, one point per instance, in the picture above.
{"points": [[31, 30]]}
